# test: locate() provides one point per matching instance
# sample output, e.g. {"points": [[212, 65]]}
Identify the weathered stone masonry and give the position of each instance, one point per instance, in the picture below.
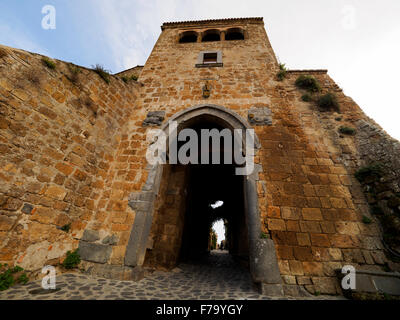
{"points": [[58, 148], [74, 152]]}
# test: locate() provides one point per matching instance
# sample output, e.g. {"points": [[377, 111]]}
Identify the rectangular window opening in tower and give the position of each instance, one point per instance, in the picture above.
{"points": [[210, 57]]}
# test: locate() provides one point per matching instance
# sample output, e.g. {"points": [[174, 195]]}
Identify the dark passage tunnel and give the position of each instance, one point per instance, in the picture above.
{"points": [[206, 185]]}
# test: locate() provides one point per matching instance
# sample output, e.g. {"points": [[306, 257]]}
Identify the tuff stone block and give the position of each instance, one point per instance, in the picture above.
{"points": [[90, 235], [94, 252], [154, 118], [260, 116]]}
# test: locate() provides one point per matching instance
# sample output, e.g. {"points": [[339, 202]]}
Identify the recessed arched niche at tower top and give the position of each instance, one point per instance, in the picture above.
{"points": [[211, 35], [188, 36], [234, 34]]}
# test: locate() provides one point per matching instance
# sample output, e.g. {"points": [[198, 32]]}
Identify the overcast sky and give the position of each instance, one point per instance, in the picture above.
{"points": [[358, 41]]}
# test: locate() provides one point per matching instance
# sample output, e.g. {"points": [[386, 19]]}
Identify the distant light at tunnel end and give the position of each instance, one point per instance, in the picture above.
{"points": [[217, 204]]}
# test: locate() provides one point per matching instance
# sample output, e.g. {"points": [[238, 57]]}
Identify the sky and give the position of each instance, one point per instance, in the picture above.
{"points": [[218, 226], [219, 229], [356, 40]]}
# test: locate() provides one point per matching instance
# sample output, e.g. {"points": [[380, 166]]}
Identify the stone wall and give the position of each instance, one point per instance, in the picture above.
{"points": [[167, 227], [314, 204], [135, 71], [59, 132]]}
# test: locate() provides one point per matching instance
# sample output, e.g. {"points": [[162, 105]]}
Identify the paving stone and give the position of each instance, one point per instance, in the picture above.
{"points": [[217, 278]]}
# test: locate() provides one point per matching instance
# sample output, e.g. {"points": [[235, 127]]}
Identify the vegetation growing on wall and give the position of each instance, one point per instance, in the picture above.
{"points": [[370, 173], [126, 79], [347, 130], [308, 83], [282, 72], [103, 73], [10, 276], [66, 228], [306, 97], [74, 73], [72, 260], [48, 63], [328, 102]]}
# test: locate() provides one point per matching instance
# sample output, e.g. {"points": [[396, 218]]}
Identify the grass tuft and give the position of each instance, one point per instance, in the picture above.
{"points": [[308, 83], [103, 73], [263, 235], [72, 260], [306, 97], [126, 79], [74, 73], [282, 73], [48, 63], [347, 130], [328, 102], [366, 220], [10, 276]]}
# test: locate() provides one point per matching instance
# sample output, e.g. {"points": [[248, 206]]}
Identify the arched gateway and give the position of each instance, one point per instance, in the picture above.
{"points": [[261, 252]]}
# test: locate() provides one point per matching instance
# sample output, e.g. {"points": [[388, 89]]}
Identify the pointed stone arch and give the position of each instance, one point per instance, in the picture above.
{"points": [[263, 261]]}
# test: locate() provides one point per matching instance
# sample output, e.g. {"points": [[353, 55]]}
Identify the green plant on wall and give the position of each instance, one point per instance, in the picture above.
{"points": [[48, 63], [347, 131], [263, 235], [371, 172], [74, 73], [72, 260], [10, 276], [366, 220], [66, 228], [103, 73], [306, 97], [308, 83], [126, 78], [328, 102], [282, 72]]}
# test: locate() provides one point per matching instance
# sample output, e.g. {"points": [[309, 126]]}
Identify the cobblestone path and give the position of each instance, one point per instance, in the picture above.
{"points": [[216, 278]]}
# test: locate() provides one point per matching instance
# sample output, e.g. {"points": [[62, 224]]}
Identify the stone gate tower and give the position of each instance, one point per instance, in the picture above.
{"points": [[297, 218]]}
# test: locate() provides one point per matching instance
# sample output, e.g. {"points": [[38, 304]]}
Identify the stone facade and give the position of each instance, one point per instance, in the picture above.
{"points": [[74, 152]]}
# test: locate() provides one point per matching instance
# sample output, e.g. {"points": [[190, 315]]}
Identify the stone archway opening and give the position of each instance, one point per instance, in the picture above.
{"points": [[157, 232], [184, 216]]}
